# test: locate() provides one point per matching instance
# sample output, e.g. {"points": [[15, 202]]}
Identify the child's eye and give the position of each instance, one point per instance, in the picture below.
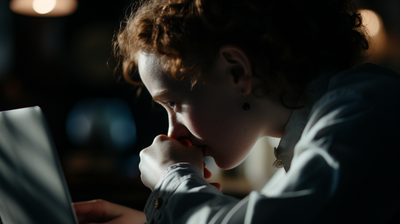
{"points": [[171, 104]]}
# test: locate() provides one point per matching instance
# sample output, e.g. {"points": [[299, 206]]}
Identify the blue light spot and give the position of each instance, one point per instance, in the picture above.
{"points": [[123, 132], [108, 121]]}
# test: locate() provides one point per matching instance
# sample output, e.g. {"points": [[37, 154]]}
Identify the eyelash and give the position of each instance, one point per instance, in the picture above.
{"points": [[171, 104]]}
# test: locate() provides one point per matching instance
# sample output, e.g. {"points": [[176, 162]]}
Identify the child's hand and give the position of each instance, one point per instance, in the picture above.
{"points": [[164, 152], [100, 211]]}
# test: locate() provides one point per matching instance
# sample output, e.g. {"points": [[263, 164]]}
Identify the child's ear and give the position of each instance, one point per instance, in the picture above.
{"points": [[239, 67]]}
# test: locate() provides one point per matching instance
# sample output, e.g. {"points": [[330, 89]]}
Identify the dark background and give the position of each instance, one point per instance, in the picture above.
{"points": [[58, 62]]}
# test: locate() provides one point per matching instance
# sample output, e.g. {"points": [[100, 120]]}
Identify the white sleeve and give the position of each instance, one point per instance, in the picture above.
{"points": [[183, 196]]}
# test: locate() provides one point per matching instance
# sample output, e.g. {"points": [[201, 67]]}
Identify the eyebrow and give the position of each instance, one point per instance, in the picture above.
{"points": [[158, 95]]}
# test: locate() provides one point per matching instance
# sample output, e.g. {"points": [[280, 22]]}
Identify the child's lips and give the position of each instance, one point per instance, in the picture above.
{"points": [[187, 143], [203, 149]]}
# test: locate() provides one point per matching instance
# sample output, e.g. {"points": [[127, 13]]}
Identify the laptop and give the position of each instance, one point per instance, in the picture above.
{"points": [[32, 185]]}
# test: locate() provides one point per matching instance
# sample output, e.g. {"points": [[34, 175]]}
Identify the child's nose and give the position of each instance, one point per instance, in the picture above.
{"points": [[177, 130]]}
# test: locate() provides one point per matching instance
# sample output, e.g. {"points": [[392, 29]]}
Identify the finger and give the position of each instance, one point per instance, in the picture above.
{"points": [[115, 221], [185, 142], [85, 206], [110, 222], [217, 185], [131, 217], [96, 211], [121, 220], [207, 173]]}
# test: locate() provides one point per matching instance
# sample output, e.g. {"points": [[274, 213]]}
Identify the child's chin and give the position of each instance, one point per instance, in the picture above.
{"points": [[226, 166]]}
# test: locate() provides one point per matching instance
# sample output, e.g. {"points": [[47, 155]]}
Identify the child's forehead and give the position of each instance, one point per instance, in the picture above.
{"points": [[152, 74], [149, 64]]}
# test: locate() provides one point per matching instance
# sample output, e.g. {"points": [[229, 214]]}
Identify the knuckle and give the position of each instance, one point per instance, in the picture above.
{"points": [[160, 138], [141, 153]]}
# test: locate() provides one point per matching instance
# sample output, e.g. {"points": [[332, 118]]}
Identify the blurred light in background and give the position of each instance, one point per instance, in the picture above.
{"points": [[108, 122], [50, 8], [43, 6], [372, 21], [376, 31], [79, 125]]}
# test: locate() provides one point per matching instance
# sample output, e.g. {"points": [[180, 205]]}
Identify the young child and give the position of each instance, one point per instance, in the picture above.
{"points": [[231, 71]]}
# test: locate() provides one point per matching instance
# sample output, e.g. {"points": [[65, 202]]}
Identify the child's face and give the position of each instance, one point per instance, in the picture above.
{"points": [[210, 115]]}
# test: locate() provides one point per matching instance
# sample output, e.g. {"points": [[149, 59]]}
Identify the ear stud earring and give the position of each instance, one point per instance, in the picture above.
{"points": [[246, 106]]}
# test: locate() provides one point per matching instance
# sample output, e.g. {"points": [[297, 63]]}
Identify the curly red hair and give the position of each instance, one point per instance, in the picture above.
{"points": [[288, 42]]}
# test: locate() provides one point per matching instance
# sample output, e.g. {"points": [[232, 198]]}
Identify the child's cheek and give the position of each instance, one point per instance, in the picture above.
{"points": [[198, 125]]}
